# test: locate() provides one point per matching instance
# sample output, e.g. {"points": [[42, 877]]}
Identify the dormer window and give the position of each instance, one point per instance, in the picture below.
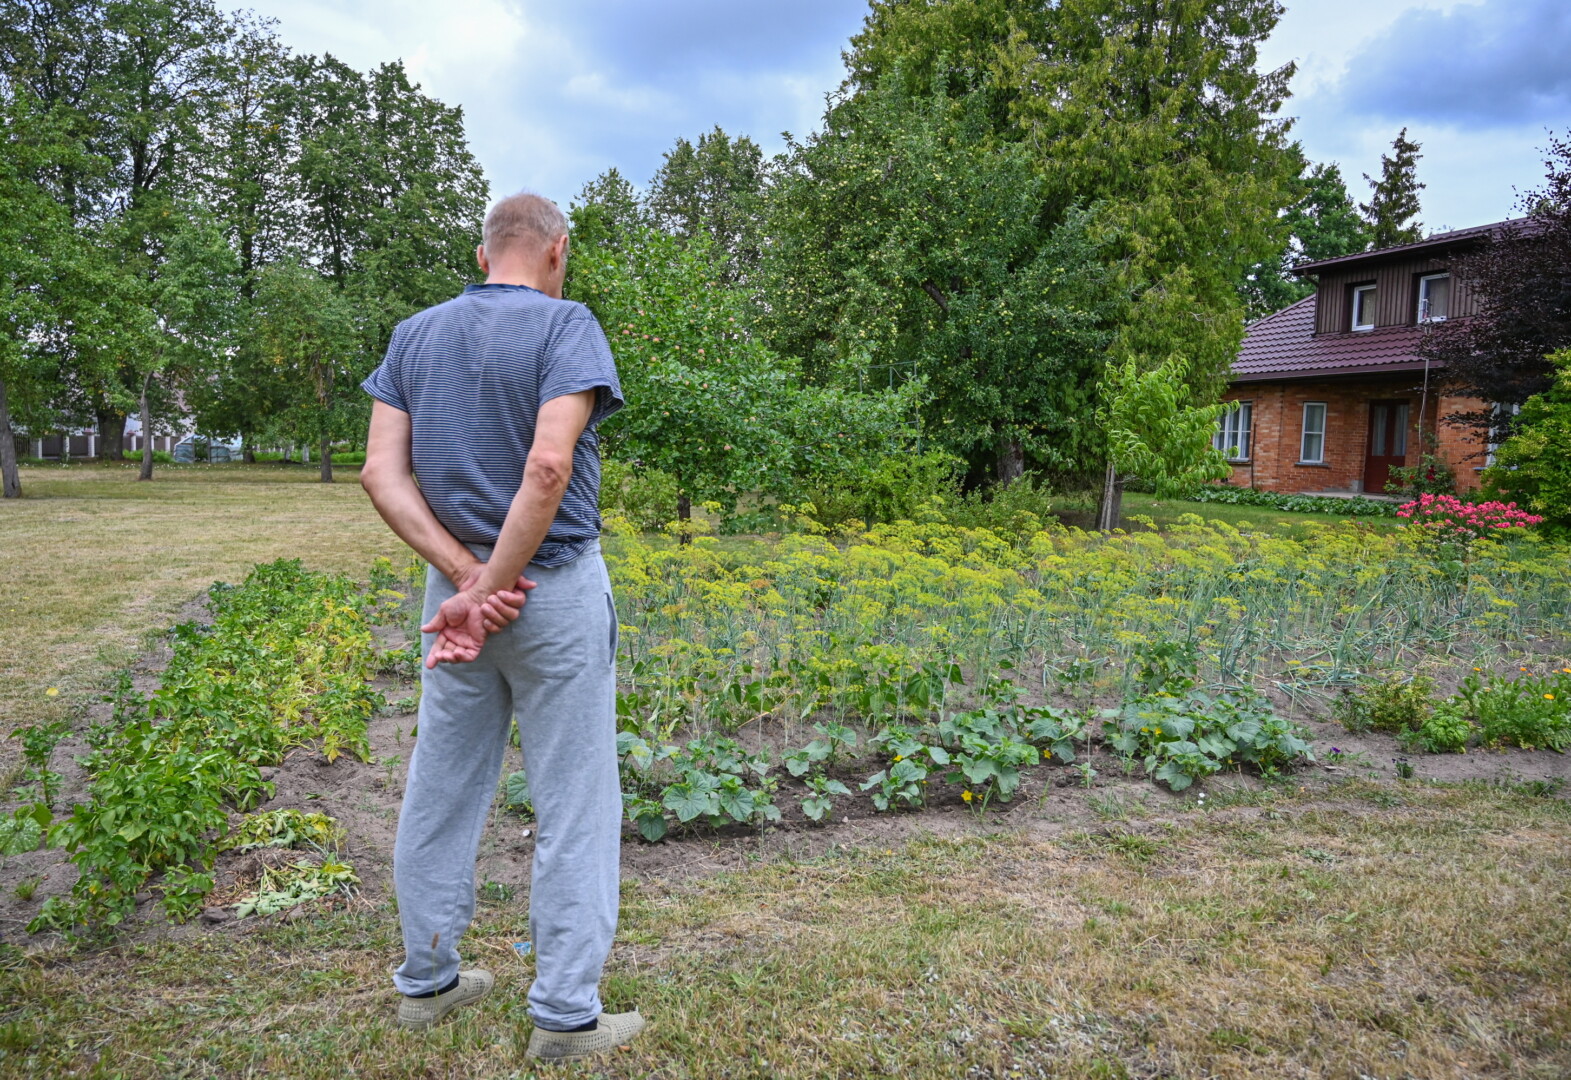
{"points": [[1363, 307], [1434, 297]]}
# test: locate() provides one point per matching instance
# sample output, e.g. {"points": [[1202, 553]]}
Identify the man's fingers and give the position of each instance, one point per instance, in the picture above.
{"points": [[525, 584]]}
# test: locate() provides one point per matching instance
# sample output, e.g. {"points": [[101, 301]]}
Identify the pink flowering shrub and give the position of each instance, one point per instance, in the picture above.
{"points": [[1449, 517]]}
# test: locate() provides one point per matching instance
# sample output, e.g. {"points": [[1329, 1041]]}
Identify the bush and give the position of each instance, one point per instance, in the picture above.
{"points": [[163, 457], [645, 496], [349, 457], [1534, 464], [1532, 712], [1447, 730], [1298, 504], [889, 489], [1431, 476], [1392, 706], [1448, 518], [1017, 511]]}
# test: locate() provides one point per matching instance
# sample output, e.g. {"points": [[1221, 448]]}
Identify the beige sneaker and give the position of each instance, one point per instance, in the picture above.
{"points": [[418, 1014], [613, 1030]]}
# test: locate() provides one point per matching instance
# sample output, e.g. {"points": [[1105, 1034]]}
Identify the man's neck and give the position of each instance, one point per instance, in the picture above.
{"points": [[519, 277]]}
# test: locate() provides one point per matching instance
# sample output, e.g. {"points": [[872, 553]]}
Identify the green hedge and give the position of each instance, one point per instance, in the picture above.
{"points": [[1298, 504]]}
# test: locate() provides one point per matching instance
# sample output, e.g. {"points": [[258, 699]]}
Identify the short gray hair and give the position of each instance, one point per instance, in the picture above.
{"points": [[524, 220]]}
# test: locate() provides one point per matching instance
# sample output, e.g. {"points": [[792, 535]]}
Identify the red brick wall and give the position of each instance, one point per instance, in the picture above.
{"points": [[1278, 422]]}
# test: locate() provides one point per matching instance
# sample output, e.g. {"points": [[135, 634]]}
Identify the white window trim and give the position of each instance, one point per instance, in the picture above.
{"points": [[1423, 288], [1241, 430], [1358, 309], [1497, 410], [1304, 433]]}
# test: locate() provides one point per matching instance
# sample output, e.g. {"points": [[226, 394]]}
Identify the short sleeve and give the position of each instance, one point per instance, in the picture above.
{"points": [[578, 358], [382, 383]]}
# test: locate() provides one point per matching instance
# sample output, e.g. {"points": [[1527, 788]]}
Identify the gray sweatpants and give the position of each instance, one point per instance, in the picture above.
{"points": [[555, 670]]}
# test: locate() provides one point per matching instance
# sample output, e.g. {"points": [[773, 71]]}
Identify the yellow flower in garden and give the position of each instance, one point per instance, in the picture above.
{"points": [[1046, 754], [53, 691], [899, 757], [1159, 731], [1549, 697], [1478, 669], [967, 796]]}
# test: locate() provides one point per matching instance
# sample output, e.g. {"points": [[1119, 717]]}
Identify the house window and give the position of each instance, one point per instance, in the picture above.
{"points": [[1501, 417], [1312, 451], [1232, 432], [1434, 297], [1364, 307]]}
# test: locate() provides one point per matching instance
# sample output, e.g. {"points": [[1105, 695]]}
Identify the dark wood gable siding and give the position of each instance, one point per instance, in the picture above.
{"points": [[1396, 300]]}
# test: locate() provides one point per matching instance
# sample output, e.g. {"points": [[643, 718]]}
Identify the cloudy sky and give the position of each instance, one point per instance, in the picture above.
{"points": [[555, 93]]}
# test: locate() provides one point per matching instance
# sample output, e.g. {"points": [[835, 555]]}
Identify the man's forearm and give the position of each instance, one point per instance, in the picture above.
{"points": [[528, 520], [403, 507]]}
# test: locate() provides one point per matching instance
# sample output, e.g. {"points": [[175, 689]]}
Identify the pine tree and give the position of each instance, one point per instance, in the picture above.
{"points": [[1392, 210]]}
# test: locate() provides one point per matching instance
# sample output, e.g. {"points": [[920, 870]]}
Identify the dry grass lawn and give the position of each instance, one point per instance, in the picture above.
{"points": [[1374, 931]]}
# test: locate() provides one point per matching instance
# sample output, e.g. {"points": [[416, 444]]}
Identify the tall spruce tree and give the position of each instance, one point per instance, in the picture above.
{"points": [[1392, 210]]}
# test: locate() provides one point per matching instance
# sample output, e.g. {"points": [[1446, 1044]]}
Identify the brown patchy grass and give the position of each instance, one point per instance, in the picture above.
{"points": [[1420, 935], [94, 561]]}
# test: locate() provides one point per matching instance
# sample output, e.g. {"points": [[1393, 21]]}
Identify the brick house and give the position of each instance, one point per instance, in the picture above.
{"points": [[1333, 393]]}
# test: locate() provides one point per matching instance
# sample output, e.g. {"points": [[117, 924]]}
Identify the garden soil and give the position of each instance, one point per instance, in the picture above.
{"points": [[1054, 802]]}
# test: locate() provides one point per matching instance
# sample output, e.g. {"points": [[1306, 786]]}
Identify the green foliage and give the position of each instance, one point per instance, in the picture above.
{"points": [[714, 189], [516, 793], [1431, 476], [285, 661], [1324, 224], [1187, 737], [1298, 504], [885, 489], [710, 405], [818, 803], [822, 752], [1446, 730], [909, 246], [1530, 711], [709, 781], [1018, 511], [283, 828], [1393, 199], [1391, 705], [1534, 464], [646, 497]]}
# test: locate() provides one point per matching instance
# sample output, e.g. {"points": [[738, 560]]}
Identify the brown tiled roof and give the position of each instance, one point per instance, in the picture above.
{"points": [[1455, 236], [1284, 346]]}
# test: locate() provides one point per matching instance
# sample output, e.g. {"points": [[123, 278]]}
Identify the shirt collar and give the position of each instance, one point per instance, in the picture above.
{"points": [[487, 286]]}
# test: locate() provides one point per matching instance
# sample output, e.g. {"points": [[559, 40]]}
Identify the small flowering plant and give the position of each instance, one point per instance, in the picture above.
{"points": [[1448, 517]]}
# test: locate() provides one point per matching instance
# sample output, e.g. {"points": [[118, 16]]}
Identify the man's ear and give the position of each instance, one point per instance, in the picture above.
{"points": [[559, 251], [485, 264]]}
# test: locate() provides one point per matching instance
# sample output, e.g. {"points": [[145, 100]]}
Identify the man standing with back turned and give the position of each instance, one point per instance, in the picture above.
{"points": [[492, 399]]}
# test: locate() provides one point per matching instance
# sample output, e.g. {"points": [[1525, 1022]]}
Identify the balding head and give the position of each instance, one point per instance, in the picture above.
{"points": [[524, 224]]}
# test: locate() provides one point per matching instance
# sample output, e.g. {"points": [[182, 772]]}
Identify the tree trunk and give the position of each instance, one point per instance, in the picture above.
{"points": [[1112, 506], [111, 436], [10, 478], [65, 447], [1011, 462], [146, 472], [325, 448], [247, 450], [684, 514]]}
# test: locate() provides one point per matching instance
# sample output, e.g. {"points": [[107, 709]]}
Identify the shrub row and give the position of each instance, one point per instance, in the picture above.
{"points": [[1298, 504]]}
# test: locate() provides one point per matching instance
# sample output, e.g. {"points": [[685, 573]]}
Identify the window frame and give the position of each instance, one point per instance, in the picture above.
{"points": [[1423, 287], [1355, 309], [1304, 433], [1240, 423]]}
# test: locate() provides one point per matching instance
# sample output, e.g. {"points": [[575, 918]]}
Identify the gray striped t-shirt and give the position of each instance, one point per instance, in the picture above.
{"points": [[472, 374]]}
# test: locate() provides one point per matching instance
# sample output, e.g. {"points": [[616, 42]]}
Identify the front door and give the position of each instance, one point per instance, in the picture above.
{"points": [[1387, 443]]}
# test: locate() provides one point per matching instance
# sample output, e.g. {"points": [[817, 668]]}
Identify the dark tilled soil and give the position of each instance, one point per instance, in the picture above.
{"points": [[365, 797]]}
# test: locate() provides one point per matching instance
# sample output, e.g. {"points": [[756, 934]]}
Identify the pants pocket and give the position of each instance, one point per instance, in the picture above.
{"points": [[615, 635], [557, 639]]}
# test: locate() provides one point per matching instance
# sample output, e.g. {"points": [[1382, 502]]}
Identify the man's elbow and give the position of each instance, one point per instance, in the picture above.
{"points": [[548, 471]]}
